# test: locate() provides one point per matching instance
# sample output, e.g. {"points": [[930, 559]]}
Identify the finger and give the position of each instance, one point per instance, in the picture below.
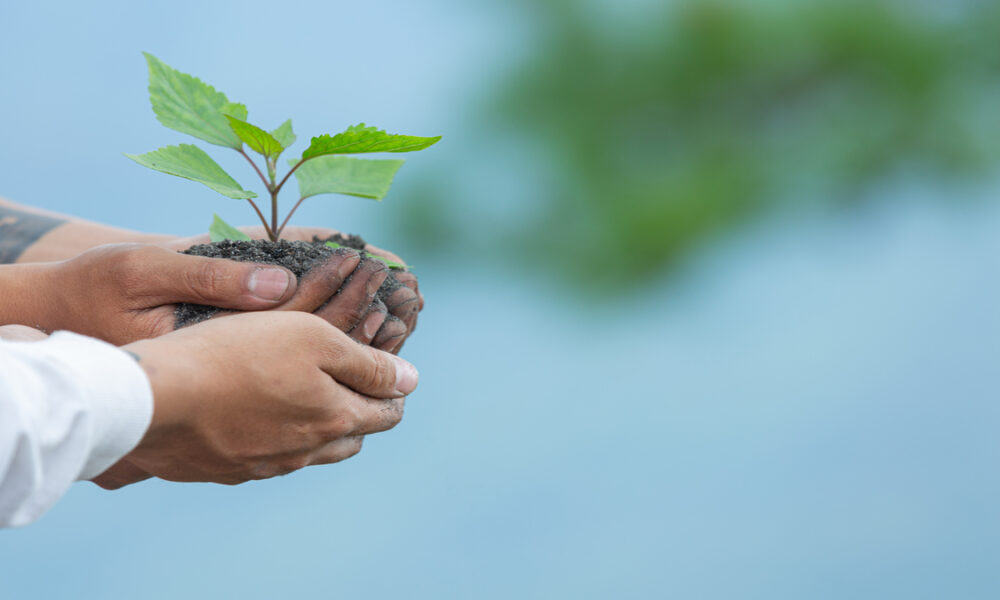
{"points": [[408, 279], [169, 278], [370, 325], [405, 277], [391, 335], [404, 304], [352, 302], [323, 280], [364, 369], [380, 415], [371, 415], [337, 450]]}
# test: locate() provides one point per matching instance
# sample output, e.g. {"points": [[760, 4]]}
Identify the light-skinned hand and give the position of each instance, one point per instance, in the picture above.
{"points": [[256, 395]]}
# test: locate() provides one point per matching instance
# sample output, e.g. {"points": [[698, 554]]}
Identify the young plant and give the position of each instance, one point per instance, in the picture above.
{"points": [[186, 104]]}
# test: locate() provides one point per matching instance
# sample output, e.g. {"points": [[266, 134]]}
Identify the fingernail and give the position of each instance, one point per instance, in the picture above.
{"points": [[372, 324], [347, 265], [268, 284], [406, 376]]}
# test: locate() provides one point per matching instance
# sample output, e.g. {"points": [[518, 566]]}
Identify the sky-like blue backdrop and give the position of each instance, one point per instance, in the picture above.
{"points": [[808, 409]]}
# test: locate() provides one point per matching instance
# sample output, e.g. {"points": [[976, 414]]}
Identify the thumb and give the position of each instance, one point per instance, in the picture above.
{"points": [[222, 283], [365, 370]]}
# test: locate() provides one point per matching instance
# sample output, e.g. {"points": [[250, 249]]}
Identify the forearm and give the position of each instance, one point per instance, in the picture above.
{"points": [[31, 235]]}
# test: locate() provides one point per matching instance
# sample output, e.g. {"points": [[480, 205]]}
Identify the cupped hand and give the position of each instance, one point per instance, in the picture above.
{"points": [[125, 292], [233, 401], [353, 310]]}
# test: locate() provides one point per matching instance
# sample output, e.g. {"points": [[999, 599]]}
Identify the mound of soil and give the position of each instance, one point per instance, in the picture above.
{"points": [[297, 257]]}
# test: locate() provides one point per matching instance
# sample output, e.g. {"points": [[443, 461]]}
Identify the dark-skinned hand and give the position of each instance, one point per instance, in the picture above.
{"points": [[350, 307]]}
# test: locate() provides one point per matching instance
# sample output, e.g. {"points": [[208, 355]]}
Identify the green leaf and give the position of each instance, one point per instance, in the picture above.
{"points": [[191, 162], [259, 140], [341, 175], [188, 105], [392, 264], [284, 134], [220, 230], [235, 109], [360, 139]]}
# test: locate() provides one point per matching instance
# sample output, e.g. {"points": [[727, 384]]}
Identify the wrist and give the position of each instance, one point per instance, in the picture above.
{"points": [[168, 377], [28, 296]]}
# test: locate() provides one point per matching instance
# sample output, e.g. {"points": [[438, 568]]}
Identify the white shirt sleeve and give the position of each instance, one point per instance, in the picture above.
{"points": [[70, 407]]}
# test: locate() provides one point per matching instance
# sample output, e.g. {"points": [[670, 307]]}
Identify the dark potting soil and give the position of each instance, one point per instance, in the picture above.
{"points": [[297, 257]]}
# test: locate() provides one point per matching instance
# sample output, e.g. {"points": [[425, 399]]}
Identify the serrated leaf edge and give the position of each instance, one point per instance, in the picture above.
{"points": [[149, 89]]}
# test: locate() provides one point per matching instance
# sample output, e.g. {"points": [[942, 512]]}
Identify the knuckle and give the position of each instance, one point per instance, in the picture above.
{"points": [[352, 314], [402, 297], [209, 279], [380, 375], [341, 425], [124, 265]]}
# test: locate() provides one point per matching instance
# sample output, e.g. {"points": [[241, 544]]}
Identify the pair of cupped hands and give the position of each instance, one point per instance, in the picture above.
{"points": [[297, 380]]}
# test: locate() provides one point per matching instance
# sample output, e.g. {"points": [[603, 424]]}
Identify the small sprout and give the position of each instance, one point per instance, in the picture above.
{"points": [[220, 230], [186, 104], [392, 264]]}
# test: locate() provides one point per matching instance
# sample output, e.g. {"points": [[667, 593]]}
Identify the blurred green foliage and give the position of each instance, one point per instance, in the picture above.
{"points": [[665, 130]]}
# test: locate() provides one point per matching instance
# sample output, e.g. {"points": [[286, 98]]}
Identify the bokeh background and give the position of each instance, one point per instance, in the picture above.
{"points": [[713, 294]]}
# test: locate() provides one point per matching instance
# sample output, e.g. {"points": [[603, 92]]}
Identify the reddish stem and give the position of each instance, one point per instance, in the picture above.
{"points": [[268, 230], [255, 168], [274, 217], [289, 174], [294, 208]]}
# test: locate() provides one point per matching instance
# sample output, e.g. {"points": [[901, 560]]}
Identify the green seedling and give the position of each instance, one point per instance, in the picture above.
{"points": [[186, 104], [393, 264]]}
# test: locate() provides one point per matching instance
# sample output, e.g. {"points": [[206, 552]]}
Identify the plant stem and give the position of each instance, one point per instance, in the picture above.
{"points": [[256, 168], [271, 229], [275, 232], [289, 174], [268, 230], [294, 208], [271, 167]]}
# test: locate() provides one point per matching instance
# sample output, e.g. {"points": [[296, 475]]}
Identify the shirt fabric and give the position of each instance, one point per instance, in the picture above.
{"points": [[70, 407]]}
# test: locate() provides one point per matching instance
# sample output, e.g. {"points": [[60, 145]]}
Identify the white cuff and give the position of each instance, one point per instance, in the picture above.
{"points": [[70, 407], [118, 393]]}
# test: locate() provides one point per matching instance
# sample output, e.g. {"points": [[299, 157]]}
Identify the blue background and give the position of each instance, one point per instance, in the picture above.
{"points": [[807, 409]]}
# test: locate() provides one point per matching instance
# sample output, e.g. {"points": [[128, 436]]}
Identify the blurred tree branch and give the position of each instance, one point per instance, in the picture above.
{"points": [[708, 114]]}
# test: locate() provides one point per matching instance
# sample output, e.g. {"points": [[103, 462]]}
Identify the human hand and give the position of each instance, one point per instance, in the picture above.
{"points": [[235, 402], [125, 292], [384, 326]]}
